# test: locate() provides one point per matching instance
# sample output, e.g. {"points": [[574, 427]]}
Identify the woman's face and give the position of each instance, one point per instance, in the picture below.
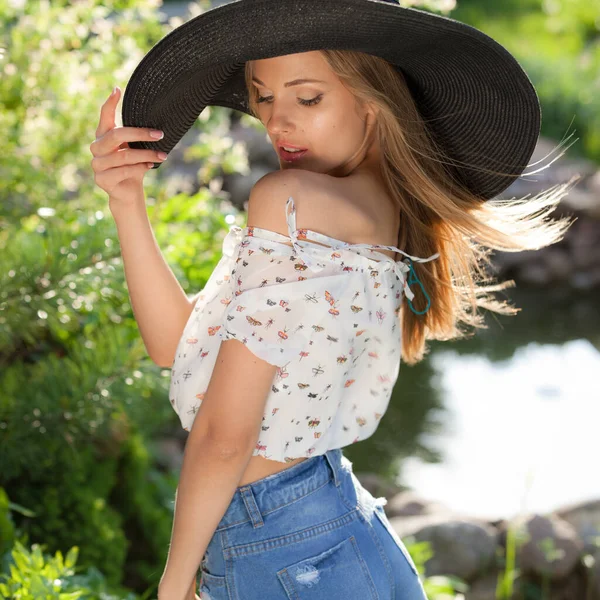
{"points": [[322, 116]]}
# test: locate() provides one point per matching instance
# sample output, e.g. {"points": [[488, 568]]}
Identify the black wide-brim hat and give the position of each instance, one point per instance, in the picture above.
{"points": [[477, 101]]}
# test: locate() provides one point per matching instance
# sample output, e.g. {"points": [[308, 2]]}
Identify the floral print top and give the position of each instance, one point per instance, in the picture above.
{"points": [[326, 315]]}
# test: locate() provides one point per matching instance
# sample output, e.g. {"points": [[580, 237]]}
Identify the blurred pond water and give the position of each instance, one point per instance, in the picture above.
{"points": [[504, 422]]}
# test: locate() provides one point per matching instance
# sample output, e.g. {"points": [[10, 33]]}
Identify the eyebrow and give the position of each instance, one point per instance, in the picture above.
{"points": [[291, 83]]}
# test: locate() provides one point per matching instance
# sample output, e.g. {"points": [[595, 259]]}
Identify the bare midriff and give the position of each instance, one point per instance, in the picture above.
{"points": [[260, 467]]}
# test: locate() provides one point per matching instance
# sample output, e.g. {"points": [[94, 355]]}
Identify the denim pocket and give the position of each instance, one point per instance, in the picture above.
{"points": [[339, 572], [212, 587], [390, 529]]}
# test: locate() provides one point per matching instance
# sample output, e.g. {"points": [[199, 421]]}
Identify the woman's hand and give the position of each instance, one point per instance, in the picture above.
{"points": [[164, 592], [119, 170], [191, 595]]}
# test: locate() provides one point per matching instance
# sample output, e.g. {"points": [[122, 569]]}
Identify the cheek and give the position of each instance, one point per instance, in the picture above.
{"points": [[321, 122], [333, 129]]}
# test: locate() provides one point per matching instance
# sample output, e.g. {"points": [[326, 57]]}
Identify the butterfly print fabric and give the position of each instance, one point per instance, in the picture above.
{"points": [[326, 315]]}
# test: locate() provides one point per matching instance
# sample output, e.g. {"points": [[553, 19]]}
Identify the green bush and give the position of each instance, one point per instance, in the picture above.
{"points": [[80, 397], [558, 44], [144, 498], [35, 575], [70, 508], [7, 527]]}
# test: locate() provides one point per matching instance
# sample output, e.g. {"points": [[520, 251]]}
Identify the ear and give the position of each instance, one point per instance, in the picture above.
{"points": [[372, 112], [369, 113]]}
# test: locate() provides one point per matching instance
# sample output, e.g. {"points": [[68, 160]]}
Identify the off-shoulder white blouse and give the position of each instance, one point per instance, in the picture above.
{"points": [[326, 316]]}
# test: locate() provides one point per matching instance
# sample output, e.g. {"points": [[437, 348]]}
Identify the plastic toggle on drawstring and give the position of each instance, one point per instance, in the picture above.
{"points": [[412, 278]]}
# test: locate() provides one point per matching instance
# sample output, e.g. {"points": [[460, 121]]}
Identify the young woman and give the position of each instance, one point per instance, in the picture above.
{"points": [[395, 129]]}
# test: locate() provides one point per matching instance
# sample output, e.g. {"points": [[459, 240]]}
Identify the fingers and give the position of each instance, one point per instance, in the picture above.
{"points": [[110, 138], [127, 156], [115, 137], [110, 179], [107, 113]]}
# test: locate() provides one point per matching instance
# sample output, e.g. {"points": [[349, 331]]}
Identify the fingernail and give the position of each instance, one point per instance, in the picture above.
{"points": [[157, 134], [114, 90]]}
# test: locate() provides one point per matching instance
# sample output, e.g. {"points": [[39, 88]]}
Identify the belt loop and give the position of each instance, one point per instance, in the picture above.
{"points": [[331, 461], [251, 506]]}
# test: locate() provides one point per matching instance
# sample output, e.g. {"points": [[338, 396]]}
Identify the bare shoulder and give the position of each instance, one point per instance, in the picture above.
{"points": [[323, 203]]}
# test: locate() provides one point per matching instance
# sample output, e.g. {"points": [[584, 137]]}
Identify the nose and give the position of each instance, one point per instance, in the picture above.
{"points": [[278, 120]]}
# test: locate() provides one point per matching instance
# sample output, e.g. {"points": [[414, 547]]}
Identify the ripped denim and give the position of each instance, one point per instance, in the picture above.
{"points": [[308, 532]]}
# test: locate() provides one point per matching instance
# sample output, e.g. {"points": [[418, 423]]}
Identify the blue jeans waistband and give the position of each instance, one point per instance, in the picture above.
{"points": [[250, 502]]}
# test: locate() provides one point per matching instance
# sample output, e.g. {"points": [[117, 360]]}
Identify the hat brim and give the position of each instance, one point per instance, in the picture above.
{"points": [[477, 101]]}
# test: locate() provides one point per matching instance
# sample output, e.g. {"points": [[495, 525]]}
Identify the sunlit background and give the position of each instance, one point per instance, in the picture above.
{"points": [[501, 424]]}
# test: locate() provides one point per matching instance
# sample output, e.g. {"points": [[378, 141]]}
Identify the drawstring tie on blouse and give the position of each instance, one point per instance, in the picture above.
{"points": [[315, 256], [412, 278], [307, 250]]}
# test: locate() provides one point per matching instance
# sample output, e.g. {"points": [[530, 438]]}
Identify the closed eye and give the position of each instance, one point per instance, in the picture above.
{"points": [[310, 102]]}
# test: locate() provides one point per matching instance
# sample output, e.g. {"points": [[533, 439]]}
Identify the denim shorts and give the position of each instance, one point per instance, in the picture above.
{"points": [[310, 531]]}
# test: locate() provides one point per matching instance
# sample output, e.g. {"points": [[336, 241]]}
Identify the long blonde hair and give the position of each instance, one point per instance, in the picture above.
{"points": [[437, 214]]}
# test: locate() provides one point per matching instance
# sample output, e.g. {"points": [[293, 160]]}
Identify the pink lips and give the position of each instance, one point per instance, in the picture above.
{"points": [[291, 156]]}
